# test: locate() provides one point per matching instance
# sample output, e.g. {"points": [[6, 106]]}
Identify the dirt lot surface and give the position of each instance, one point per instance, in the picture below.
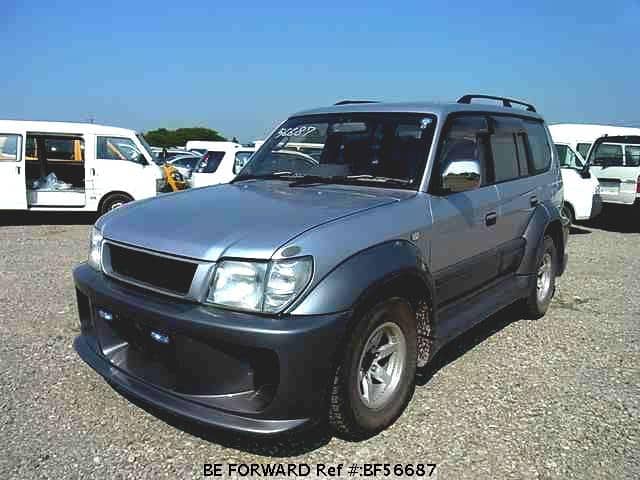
{"points": [[553, 398]]}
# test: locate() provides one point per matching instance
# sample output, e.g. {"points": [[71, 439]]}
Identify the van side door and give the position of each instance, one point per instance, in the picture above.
{"points": [[463, 255], [13, 193]]}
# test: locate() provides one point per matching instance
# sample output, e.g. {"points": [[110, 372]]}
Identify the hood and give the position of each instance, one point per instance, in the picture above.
{"points": [[249, 219]]}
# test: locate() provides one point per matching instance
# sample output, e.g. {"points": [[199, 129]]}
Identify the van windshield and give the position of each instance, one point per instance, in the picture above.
{"points": [[146, 146], [380, 149]]}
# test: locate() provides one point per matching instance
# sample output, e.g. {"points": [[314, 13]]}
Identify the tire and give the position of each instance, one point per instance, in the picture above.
{"points": [[113, 201], [567, 212], [350, 414], [542, 286]]}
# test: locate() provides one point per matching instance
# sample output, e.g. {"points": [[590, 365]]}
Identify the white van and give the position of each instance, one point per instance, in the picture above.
{"points": [[79, 167], [582, 200], [580, 136], [220, 164], [615, 160]]}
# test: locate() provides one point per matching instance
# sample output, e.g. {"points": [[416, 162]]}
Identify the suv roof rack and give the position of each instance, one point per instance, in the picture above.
{"points": [[352, 102], [506, 102]]}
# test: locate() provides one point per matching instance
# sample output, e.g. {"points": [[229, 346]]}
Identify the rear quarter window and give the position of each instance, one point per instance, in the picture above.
{"points": [[539, 147]]}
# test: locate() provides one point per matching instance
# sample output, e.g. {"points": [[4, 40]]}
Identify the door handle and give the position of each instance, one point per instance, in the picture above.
{"points": [[533, 201], [93, 172], [18, 168], [491, 219]]}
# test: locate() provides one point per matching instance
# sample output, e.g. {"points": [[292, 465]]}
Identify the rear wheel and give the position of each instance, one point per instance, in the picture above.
{"points": [[376, 377], [543, 285], [113, 201]]}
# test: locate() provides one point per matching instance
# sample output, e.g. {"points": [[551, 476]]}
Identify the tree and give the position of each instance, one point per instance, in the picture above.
{"points": [[162, 137]]}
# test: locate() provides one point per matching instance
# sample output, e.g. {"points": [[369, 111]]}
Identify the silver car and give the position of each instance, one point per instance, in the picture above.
{"points": [[312, 288]]}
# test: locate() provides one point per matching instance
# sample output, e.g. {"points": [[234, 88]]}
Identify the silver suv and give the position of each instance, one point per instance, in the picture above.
{"points": [[356, 242]]}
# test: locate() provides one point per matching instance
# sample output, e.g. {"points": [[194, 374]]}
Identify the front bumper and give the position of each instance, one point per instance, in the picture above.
{"points": [[238, 371]]}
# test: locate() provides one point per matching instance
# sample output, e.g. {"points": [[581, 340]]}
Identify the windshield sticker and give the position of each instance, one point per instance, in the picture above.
{"points": [[301, 131]]}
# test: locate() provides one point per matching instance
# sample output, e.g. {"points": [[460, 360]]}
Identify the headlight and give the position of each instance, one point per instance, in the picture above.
{"points": [[259, 286], [238, 284], [95, 248]]}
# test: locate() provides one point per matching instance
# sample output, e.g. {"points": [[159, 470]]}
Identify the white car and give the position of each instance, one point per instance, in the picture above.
{"points": [[220, 165], [74, 167], [582, 200], [185, 164]]}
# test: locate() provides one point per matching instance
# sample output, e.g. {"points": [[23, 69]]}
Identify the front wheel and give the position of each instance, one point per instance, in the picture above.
{"points": [[543, 285], [567, 212], [113, 201], [376, 378]]}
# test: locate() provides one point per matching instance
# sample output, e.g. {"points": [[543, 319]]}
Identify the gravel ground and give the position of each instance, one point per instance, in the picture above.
{"points": [[553, 398]]}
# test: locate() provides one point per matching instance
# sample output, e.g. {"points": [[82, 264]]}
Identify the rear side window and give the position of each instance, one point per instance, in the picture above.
{"points": [[55, 148], [64, 149], [9, 148], [607, 155], [241, 160], [583, 149], [539, 147], [210, 162], [632, 153]]}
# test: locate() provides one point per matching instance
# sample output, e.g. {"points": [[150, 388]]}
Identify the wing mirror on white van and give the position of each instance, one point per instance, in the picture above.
{"points": [[584, 171], [461, 176]]}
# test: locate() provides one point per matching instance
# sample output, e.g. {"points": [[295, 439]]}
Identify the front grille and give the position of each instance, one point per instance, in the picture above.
{"points": [[149, 269]]}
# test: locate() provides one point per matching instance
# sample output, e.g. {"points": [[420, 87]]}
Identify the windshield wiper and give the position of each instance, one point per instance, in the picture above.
{"points": [[314, 179], [376, 178], [348, 179], [265, 176]]}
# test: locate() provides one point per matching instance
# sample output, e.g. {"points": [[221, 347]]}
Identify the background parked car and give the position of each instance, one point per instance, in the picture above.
{"points": [[220, 165], [185, 163]]}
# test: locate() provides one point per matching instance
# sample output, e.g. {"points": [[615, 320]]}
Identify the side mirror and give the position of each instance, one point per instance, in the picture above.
{"points": [[461, 176], [584, 172]]}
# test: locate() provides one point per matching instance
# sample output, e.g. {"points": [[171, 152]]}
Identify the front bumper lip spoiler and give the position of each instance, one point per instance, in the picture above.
{"points": [[184, 408]]}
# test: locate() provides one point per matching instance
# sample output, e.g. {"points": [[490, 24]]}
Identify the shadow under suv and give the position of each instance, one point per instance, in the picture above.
{"points": [[357, 241]]}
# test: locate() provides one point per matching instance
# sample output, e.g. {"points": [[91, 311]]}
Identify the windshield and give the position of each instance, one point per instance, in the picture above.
{"points": [[146, 146], [370, 148]]}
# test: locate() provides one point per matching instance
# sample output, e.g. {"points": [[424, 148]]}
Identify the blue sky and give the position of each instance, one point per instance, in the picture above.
{"points": [[244, 66]]}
